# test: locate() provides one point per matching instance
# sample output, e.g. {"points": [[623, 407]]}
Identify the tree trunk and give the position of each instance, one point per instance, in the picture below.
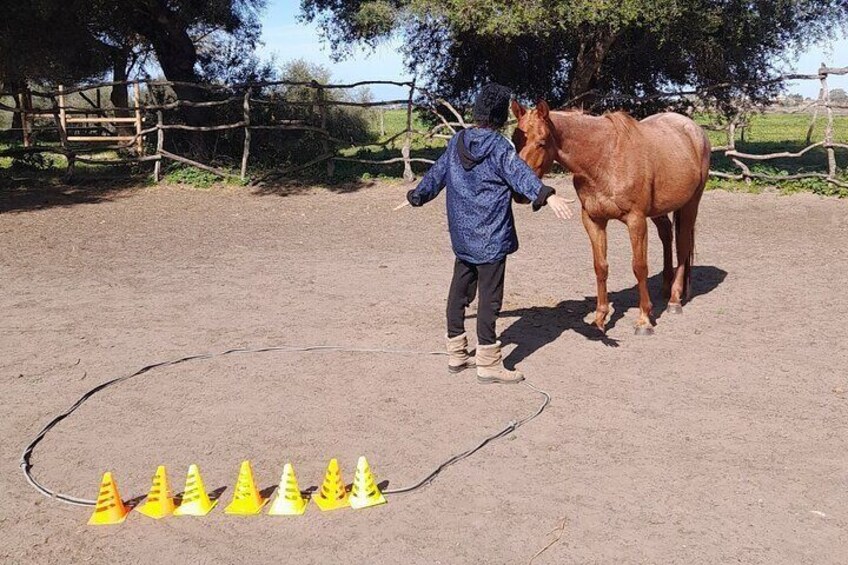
{"points": [[594, 47], [119, 96], [177, 56]]}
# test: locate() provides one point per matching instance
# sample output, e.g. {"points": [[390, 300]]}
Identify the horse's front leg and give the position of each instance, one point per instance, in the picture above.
{"points": [[638, 227], [597, 230]]}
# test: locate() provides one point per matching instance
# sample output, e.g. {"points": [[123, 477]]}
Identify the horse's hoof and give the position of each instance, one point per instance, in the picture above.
{"points": [[674, 309], [644, 330]]}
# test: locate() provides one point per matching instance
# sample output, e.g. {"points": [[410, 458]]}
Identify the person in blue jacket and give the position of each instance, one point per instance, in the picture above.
{"points": [[482, 173]]}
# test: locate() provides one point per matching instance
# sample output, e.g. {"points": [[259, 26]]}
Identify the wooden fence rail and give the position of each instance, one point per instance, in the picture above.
{"points": [[68, 118]]}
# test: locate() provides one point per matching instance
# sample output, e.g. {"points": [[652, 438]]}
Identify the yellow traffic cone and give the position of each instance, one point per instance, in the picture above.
{"points": [[332, 494], [365, 491], [109, 508], [289, 501], [195, 501], [160, 501], [246, 498]]}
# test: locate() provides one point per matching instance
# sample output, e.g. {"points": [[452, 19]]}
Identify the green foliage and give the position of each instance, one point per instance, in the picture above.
{"points": [[43, 40], [347, 124], [559, 50], [191, 176], [31, 162]]}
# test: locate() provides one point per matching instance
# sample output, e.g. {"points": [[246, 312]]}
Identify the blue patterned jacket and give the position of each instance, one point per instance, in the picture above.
{"points": [[481, 171]]}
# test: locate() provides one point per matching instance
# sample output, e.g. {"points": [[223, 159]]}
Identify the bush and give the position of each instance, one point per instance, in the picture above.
{"points": [[284, 148], [191, 176], [31, 162]]}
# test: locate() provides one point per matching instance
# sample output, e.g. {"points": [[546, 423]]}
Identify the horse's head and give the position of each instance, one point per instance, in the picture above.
{"points": [[534, 137]]}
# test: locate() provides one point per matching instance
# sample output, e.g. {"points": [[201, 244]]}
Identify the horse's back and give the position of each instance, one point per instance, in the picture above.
{"points": [[676, 136], [679, 154]]}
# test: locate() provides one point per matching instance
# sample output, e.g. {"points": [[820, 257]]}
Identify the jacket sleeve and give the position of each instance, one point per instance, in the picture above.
{"points": [[521, 178], [432, 183]]}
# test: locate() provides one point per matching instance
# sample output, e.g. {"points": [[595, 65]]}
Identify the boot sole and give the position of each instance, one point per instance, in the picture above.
{"points": [[497, 381], [454, 370]]}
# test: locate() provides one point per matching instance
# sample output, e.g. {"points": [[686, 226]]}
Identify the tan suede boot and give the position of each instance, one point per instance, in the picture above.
{"points": [[458, 356], [490, 369]]}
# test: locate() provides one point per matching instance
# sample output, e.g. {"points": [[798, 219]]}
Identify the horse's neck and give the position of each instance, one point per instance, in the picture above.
{"points": [[585, 144]]}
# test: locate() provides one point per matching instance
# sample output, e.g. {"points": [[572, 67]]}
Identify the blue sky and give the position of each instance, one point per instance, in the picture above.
{"points": [[285, 38]]}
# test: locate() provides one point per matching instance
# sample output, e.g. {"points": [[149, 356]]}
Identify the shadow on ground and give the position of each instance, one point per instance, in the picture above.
{"points": [[42, 191], [540, 325]]}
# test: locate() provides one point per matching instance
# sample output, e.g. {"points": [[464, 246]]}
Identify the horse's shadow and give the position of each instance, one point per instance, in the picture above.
{"points": [[540, 325]]}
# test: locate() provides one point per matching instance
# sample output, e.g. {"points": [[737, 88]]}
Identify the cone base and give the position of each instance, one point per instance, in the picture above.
{"points": [[285, 508], [193, 510], [360, 504], [156, 513], [327, 504], [94, 521], [240, 509]]}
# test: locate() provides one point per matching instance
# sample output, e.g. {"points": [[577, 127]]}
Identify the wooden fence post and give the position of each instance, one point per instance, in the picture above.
{"points": [[246, 153], [408, 175], [62, 116], [60, 119], [828, 131], [812, 126], [325, 142], [25, 104], [139, 142], [160, 145]]}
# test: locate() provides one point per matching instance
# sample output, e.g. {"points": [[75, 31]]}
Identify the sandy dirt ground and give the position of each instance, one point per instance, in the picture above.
{"points": [[723, 438]]}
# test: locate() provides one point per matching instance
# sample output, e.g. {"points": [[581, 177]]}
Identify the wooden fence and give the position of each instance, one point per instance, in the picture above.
{"points": [[66, 117], [822, 104]]}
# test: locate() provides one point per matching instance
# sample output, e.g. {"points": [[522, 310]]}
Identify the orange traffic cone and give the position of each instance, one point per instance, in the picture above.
{"points": [[365, 491], [109, 508], [160, 501], [332, 494], [195, 501], [246, 498], [289, 501]]}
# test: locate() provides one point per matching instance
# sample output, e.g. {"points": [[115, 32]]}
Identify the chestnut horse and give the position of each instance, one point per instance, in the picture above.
{"points": [[630, 171]]}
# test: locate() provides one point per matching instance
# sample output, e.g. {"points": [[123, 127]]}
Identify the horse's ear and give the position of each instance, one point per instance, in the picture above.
{"points": [[517, 109], [542, 108]]}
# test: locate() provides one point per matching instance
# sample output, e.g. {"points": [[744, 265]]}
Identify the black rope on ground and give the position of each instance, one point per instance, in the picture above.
{"points": [[26, 464]]}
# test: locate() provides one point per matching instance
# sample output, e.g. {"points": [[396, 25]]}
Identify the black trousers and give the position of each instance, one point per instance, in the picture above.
{"points": [[467, 278]]}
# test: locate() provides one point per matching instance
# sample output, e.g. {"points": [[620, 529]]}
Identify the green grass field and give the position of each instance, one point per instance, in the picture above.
{"points": [[767, 133], [775, 133]]}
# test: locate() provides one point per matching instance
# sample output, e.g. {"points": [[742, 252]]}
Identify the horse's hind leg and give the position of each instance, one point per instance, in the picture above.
{"points": [[666, 233], [684, 224], [597, 231], [638, 227]]}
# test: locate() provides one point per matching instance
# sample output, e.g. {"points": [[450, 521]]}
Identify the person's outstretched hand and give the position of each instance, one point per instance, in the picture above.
{"points": [[560, 206]]}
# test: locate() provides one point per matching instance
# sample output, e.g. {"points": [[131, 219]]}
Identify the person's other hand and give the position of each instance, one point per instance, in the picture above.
{"points": [[560, 206]]}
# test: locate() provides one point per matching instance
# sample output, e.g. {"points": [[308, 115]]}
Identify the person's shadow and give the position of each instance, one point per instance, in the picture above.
{"points": [[538, 326]]}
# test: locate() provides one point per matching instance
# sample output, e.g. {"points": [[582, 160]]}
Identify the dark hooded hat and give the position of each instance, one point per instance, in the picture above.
{"points": [[491, 108]]}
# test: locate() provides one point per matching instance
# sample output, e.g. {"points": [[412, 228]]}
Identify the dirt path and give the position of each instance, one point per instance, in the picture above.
{"points": [[723, 438]]}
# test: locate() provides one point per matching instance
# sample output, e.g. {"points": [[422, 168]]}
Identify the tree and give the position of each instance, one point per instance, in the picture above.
{"points": [[71, 40], [839, 96], [569, 50], [40, 42], [175, 31]]}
